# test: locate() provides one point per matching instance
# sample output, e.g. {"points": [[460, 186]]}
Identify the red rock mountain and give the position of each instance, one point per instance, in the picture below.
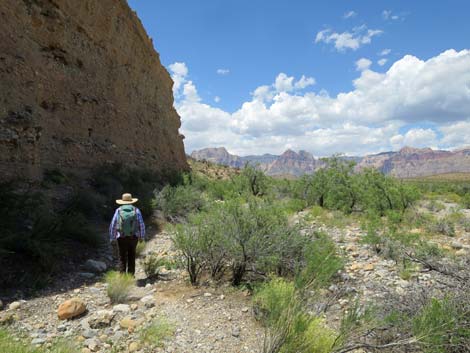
{"points": [[407, 163], [81, 85]]}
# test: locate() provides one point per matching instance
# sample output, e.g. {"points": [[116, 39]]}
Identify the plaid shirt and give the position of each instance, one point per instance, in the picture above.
{"points": [[114, 233]]}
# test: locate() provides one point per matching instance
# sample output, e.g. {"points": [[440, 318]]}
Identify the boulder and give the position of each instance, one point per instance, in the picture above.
{"points": [[101, 319], [71, 308], [14, 305], [95, 266], [122, 308]]}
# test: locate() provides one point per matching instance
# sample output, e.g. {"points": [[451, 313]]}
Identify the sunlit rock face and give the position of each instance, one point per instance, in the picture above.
{"points": [[82, 85]]}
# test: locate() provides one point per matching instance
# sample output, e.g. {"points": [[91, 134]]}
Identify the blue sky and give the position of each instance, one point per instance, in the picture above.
{"points": [[350, 100]]}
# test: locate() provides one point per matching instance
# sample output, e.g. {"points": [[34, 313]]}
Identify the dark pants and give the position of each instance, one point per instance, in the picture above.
{"points": [[127, 247]]}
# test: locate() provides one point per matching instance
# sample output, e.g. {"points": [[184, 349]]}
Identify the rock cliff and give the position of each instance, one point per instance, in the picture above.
{"points": [[81, 85]]}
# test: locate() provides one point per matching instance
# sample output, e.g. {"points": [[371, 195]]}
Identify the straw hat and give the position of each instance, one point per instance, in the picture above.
{"points": [[126, 200]]}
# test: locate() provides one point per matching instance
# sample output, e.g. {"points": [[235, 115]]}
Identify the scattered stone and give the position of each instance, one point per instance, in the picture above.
{"points": [[89, 333], [101, 319], [14, 305], [245, 309], [355, 266], [7, 319], [222, 297], [95, 266], [207, 294], [128, 323], [85, 350], [456, 245], [134, 346], [93, 344], [122, 308], [236, 332], [461, 252], [369, 267], [148, 301], [38, 341], [71, 308], [134, 306]]}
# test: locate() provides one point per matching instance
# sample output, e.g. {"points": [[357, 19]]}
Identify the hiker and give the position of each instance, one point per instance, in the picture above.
{"points": [[128, 228]]}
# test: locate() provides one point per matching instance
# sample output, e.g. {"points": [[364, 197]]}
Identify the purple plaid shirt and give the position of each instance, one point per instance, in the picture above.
{"points": [[114, 233]]}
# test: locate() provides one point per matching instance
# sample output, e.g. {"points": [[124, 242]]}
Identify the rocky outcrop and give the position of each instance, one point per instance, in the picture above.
{"points": [[419, 162], [407, 163], [218, 155], [293, 163], [81, 85]]}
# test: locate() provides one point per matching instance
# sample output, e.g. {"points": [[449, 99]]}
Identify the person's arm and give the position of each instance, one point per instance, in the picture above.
{"points": [[140, 219], [113, 226]]}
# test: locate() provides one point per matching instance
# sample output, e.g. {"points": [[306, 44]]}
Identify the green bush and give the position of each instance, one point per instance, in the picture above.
{"points": [[435, 206], [152, 264], [187, 239], [322, 263], [119, 286], [111, 181], [10, 344], [253, 236], [443, 226], [289, 328], [178, 202], [140, 248], [441, 326], [465, 200], [155, 333]]}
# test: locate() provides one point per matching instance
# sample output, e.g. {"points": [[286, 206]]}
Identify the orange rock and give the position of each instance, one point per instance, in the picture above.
{"points": [[369, 267], [71, 308]]}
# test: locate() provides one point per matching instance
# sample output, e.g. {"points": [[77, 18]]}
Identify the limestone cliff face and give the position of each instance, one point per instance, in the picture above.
{"points": [[81, 85]]}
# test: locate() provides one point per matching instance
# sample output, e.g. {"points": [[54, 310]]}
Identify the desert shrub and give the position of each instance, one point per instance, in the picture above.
{"points": [[444, 226], [178, 202], [38, 233], [152, 264], [252, 230], [252, 237], [290, 328], [465, 200], [10, 344], [187, 239], [111, 181], [435, 206], [155, 333], [140, 248], [322, 263], [53, 176], [251, 181], [119, 286], [442, 326], [466, 225]]}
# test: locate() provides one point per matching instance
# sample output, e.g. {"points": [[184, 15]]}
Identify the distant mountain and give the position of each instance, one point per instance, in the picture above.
{"points": [[407, 163], [417, 162]]}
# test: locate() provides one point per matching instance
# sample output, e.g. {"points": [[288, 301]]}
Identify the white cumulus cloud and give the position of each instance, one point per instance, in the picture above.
{"points": [[382, 62], [363, 64], [350, 14], [223, 72], [367, 118], [385, 52], [353, 40]]}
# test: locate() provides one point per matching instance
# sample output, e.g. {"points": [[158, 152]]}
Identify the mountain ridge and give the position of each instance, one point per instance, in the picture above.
{"points": [[408, 162]]}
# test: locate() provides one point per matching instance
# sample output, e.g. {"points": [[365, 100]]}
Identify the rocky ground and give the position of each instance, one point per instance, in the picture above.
{"points": [[204, 319]]}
